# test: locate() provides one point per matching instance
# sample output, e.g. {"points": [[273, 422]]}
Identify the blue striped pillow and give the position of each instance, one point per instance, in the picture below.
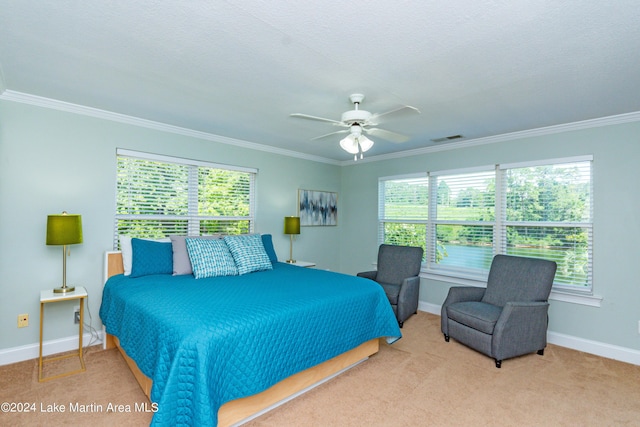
{"points": [[210, 258], [248, 253]]}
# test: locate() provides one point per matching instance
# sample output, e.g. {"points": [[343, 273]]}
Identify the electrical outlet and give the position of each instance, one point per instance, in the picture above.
{"points": [[23, 320], [76, 314]]}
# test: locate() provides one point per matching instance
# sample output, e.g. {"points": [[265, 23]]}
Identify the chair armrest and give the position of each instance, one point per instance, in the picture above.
{"points": [[458, 294], [520, 329], [409, 281], [408, 297], [368, 274], [463, 293]]}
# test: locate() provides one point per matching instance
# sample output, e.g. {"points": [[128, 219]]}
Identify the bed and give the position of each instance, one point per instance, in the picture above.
{"points": [[218, 350]]}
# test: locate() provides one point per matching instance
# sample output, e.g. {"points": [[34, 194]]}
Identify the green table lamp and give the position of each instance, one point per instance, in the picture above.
{"points": [[291, 227], [64, 229]]}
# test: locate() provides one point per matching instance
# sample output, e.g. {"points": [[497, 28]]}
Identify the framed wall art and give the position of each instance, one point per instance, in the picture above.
{"points": [[317, 208]]}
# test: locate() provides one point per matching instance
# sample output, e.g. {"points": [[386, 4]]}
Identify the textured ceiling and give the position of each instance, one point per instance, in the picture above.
{"points": [[238, 69]]}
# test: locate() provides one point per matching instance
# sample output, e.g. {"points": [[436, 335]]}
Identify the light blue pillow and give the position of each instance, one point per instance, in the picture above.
{"points": [[210, 258], [181, 262], [150, 257], [248, 253]]}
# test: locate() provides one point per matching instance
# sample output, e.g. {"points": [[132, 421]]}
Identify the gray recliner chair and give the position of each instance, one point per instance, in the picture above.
{"points": [[509, 318], [399, 275]]}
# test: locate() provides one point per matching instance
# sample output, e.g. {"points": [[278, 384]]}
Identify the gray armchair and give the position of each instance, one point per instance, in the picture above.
{"points": [[398, 273], [509, 318]]}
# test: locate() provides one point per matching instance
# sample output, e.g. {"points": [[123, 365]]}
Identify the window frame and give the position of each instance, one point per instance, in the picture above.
{"points": [[384, 219], [587, 225], [192, 216], [434, 221], [477, 277]]}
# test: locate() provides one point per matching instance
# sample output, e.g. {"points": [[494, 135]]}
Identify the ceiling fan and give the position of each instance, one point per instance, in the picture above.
{"points": [[359, 122]]}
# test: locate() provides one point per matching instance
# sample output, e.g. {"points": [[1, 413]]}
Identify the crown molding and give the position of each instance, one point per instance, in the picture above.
{"points": [[54, 104], [548, 130], [40, 101]]}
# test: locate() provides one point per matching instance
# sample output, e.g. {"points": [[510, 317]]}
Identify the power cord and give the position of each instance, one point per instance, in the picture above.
{"points": [[94, 333]]}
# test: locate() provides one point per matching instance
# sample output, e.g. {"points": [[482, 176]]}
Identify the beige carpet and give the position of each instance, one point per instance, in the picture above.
{"points": [[107, 380], [421, 380]]}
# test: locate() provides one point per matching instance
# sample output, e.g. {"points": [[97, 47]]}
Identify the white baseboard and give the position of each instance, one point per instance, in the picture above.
{"points": [[60, 345], [429, 308], [610, 351]]}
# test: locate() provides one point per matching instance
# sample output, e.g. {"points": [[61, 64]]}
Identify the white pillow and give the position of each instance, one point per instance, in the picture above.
{"points": [[127, 252]]}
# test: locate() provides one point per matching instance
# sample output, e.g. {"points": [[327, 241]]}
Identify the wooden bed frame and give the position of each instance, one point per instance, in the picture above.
{"points": [[247, 408]]}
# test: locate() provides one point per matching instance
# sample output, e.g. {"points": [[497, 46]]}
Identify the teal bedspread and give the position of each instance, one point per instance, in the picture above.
{"points": [[208, 341]]}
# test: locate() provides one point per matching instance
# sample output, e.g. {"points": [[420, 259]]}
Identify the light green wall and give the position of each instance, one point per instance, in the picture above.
{"points": [[52, 161], [616, 151]]}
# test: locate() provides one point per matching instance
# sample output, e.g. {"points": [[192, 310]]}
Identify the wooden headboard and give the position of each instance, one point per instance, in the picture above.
{"points": [[112, 264]]}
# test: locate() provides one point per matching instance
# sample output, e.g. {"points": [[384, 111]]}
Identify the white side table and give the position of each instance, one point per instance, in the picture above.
{"points": [[47, 297], [306, 264]]}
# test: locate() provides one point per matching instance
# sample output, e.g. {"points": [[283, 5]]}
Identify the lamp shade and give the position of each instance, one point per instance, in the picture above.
{"points": [[349, 144], [291, 225], [355, 144], [365, 143], [64, 229]]}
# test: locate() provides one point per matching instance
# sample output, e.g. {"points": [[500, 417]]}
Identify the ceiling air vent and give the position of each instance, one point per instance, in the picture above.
{"points": [[447, 138]]}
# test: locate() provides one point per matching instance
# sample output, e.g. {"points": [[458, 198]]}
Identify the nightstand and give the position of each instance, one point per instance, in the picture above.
{"points": [[48, 297], [306, 264]]}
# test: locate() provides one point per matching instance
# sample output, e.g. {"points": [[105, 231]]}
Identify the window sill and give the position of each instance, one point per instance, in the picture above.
{"points": [[576, 298], [481, 282]]}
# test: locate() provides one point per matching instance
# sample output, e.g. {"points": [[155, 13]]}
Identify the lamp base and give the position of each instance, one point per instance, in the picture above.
{"points": [[64, 289], [291, 261]]}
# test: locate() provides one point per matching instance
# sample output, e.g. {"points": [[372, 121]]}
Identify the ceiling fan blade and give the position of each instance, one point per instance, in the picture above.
{"points": [[320, 119], [385, 134], [393, 114], [329, 134]]}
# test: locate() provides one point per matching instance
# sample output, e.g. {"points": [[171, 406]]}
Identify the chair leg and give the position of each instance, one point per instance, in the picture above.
{"points": [[541, 352], [400, 324], [498, 363], [446, 337]]}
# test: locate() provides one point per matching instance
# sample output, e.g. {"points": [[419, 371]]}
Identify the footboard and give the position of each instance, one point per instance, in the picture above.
{"points": [[250, 407]]}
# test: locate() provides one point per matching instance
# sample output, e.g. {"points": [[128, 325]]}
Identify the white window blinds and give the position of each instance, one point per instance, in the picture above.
{"points": [[403, 204], [548, 214], [463, 218], [158, 196]]}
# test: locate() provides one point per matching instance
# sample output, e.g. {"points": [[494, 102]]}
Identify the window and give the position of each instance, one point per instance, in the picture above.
{"points": [[463, 220], [547, 214], [402, 210], [540, 210], [158, 196]]}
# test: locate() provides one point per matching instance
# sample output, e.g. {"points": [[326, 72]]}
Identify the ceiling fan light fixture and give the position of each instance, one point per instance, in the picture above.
{"points": [[356, 144], [357, 122], [365, 143], [356, 130], [350, 145]]}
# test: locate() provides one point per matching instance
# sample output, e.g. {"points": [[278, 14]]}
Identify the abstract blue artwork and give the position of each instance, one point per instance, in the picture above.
{"points": [[317, 208]]}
